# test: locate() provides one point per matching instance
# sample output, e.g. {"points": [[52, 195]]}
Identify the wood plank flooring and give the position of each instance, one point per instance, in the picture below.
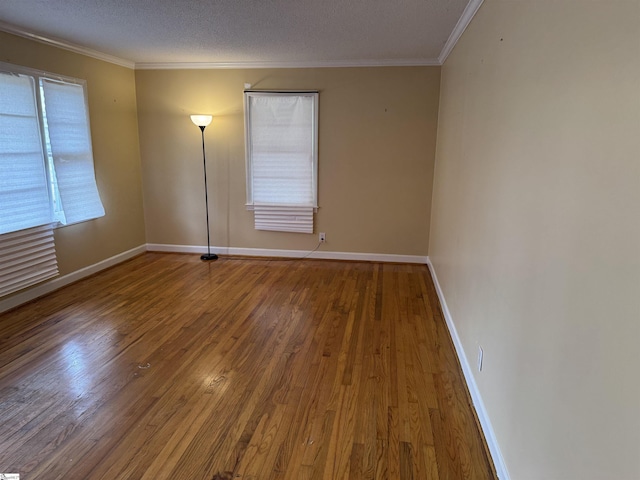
{"points": [[169, 367]]}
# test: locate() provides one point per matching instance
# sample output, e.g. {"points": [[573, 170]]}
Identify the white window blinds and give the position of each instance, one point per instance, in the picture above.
{"points": [[46, 170], [281, 130], [27, 257], [24, 194], [67, 125]]}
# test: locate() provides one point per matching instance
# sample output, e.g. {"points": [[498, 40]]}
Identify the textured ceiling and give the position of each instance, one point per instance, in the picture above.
{"points": [[292, 32]]}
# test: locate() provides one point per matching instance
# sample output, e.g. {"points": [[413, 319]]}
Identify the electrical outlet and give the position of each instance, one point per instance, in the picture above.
{"points": [[323, 237], [480, 356]]}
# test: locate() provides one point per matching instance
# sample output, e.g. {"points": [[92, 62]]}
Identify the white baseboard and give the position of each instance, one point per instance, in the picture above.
{"points": [[59, 282], [264, 252], [483, 416]]}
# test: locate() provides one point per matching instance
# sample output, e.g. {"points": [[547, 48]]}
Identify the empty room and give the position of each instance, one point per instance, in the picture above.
{"points": [[320, 240]]}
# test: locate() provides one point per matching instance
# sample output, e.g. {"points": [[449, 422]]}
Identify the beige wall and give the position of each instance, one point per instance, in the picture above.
{"points": [[376, 151], [536, 229], [114, 133]]}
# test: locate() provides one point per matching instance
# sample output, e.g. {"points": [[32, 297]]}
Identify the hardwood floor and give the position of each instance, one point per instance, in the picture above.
{"points": [[169, 367]]}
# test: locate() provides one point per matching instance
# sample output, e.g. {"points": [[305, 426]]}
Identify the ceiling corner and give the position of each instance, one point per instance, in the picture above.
{"points": [[465, 19], [88, 52]]}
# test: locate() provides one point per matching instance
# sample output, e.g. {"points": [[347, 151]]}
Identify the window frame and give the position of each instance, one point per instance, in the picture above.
{"points": [[55, 202], [314, 94]]}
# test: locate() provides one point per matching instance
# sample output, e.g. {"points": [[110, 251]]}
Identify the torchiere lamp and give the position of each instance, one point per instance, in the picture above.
{"points": [[202, 121]]}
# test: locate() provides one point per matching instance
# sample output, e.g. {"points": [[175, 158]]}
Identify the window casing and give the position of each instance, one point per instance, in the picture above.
{"points": [[281, 132]]}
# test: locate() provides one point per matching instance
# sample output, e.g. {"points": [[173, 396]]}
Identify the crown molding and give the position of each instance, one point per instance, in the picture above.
{"points": [[12, 29], [402, 62], [465, 19], [407, 62]]}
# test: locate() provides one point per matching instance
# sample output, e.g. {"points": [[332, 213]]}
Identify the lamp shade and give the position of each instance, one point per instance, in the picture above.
{"points": [[201, 120]]}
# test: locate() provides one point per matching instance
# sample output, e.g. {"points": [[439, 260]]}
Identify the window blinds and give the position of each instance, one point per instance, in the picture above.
{"points": [[46, 170], [281, 150], [24, 194], [282, 166], [279, 218], [26, 258], [67, 126]]}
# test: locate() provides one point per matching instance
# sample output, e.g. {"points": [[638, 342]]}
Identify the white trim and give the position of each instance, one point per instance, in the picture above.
{"points": [[403, 62], [467, 15], [48, 287], [464, 21], [72, 47], [483, 416], [265, 252], [389, 62]]}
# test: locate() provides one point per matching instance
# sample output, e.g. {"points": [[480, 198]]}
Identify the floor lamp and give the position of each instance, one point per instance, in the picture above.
{"points": [[202, 121]]}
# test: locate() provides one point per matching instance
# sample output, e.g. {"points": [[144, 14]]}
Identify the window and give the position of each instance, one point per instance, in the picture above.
{"points": [[282, 159], [24, 191], [46, 171], [66, 121], [46, 160]]}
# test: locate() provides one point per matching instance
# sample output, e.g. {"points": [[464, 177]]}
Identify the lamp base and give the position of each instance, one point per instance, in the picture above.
{"points": [[209, 256]]}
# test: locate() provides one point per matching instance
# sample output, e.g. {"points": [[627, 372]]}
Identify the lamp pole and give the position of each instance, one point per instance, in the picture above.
{"points": [[202, 121]]}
